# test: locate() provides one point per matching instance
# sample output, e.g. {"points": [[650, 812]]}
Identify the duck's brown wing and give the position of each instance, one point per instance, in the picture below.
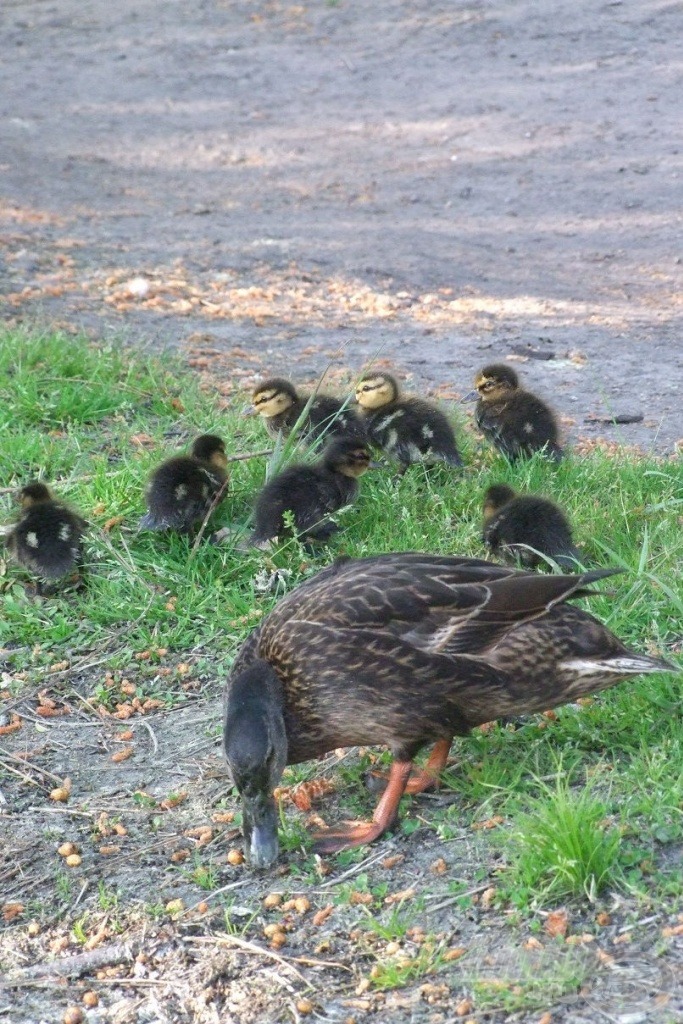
{"points": [[521, 598], [437, 602], [359, 591]]}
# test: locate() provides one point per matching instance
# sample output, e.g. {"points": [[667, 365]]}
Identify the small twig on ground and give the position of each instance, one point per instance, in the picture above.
{"points": [[25, 887], [34, 767], [218, 497], [454, 899], [250, 455], [248, 947], [81, 894], [128, 566], [216, 892], [150, 730], [251, 947], [75, 966], [354, 870], [60, 810]]}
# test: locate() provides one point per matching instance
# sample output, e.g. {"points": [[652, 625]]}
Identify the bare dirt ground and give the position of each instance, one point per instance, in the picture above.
{"points": [[434, 184], [438, 184]]}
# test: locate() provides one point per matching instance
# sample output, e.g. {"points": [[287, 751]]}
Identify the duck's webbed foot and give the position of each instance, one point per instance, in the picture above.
{"points": [[421, 779], [386, 812]]}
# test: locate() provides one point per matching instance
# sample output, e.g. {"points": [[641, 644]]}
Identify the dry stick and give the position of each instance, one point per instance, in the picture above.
{"points": [[250, 455], [218, 497], [372, 859], [41, 771], [454, 899], [64, 811], [251, 947], [152, 736], [26, 887], [128, 566], [75, 966], [216, 892]]}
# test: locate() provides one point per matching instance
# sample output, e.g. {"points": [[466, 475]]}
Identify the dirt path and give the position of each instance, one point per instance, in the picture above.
{"points": [[436, 183]]}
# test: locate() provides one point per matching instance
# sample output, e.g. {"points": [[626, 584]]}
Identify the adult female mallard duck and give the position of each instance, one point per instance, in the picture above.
{"points": [[407, 428], [181, 490], [517, 422], [322, 416], [404, 650], [47, 539], [526, 527]]}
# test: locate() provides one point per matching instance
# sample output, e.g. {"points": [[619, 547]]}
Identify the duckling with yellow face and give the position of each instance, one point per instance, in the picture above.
{"points": [[311, 493], [47, 539], [280, 405], [181, 490], [408, 429], [517, 422], [525, 527]]}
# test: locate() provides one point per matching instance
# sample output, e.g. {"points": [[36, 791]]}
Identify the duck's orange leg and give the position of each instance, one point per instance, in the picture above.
{"points": [[386, 812], [427, 777]]}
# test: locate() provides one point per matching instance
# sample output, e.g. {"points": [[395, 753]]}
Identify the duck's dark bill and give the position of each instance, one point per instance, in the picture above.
{"points": [[259, 820], [471, 396]]}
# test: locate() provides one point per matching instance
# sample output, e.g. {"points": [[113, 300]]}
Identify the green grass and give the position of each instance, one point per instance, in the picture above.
{"points": [[75, 414], [562, 845]]}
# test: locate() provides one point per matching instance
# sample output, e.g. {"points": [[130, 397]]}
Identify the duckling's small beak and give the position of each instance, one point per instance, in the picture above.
{"points": [[374, 464], [249, 411], [472, 396], [259, 823]]}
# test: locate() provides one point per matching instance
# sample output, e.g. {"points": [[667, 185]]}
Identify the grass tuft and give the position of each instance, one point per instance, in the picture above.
{"points": [[562, 846]]}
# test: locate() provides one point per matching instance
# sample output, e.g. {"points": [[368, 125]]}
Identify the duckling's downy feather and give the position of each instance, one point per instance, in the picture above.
{"points": [[526, 527], [182, 490], [311, 492], [516, 421], [47, 540], [408, 428], [320, 417]]}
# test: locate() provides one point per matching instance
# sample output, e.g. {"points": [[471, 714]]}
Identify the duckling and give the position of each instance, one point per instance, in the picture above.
{"points": [[47, 539], [515, 421], [311, 493], [410, 429], [515, 523], [280, 405], [181, 490], [405, 650]]}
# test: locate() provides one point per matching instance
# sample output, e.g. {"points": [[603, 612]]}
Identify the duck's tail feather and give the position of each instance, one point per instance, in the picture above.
{"points": [[630, 664]]}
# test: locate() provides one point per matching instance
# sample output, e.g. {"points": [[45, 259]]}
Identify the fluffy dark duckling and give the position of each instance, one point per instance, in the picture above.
{"points": [[512, 519], [404, 650], [280, 405], [181, 490], [409, 429], [47, 540], [311, 493], [515, 421]]}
